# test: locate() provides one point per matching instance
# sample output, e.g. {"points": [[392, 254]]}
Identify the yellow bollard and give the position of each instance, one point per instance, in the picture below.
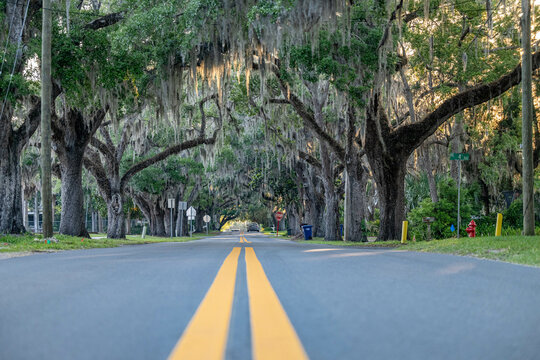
{"points": [[404, 232], [498, 228]]}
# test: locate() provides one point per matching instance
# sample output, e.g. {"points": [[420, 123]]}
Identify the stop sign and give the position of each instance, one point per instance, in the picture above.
{"points": [[279, 216]]}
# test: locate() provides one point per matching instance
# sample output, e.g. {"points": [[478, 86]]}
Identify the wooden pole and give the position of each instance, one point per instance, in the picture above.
{"points": [[46, 91], [527, 117]]}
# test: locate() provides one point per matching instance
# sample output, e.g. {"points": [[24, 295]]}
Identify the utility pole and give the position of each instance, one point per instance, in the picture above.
{"points": [[527, 116], [46, 90]]}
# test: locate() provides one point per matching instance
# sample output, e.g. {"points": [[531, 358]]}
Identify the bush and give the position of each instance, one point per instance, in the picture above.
{"points": [[444, 212]]}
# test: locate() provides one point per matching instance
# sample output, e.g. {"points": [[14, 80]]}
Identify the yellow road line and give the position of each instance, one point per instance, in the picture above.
{"points": [[206, 335], [273, 336], [244, 240]]}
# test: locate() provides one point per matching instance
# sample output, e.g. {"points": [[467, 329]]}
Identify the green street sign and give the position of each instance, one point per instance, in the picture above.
{"points": [[460, 156]]}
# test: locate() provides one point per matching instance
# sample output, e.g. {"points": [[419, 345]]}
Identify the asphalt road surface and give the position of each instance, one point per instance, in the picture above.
{"points": [[250, 296]]}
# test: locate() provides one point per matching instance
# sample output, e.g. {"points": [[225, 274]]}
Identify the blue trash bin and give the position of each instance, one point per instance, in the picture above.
{"points": [[308, 232], [341, 229]]}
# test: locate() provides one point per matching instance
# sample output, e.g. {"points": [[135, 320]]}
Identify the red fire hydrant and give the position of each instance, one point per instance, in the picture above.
{"points": [[471, 229]]}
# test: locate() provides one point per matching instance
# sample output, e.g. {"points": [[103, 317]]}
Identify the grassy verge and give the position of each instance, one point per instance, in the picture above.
{"points": [[515, 249], [35, 243]]}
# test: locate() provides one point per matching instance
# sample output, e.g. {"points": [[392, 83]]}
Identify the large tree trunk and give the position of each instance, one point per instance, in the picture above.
{"points": [[355, 185], [292, 219], [314, 203], [11, 144], [71, 135], [11, 219], [331, 209], [72, 221], [116, 228], [388, 163], [159, 222], [391, 184], [315, 206]]}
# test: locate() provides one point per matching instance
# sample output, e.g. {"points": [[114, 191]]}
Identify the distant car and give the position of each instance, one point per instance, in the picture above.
{"points": [[253, 227]]}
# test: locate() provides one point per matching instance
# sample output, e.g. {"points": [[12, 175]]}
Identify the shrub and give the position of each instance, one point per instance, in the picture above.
{"points": [[444, 212]]}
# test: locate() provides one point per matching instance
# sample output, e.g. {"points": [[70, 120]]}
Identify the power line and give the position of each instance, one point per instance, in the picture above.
{"points": [[16, 55], [7, 40], [63, 11]]}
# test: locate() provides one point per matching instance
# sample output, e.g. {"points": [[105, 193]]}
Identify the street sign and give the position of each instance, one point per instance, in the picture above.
{"points": [[171, 203], [182, 205], [191, 212], [460, 156], [428, 219], [206, 219]]}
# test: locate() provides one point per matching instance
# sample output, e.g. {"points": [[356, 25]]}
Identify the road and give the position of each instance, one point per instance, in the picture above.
{"points": [[239, 296]]}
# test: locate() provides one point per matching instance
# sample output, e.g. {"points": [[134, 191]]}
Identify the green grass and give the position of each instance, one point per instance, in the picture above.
{"points": [[515, 249], [26, 242]]}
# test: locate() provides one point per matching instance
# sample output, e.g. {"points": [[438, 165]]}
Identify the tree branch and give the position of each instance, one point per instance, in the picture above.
{"points": [[410, 136], [310, 159], [306, 115], [107, 20], [30, 124], [92, 163], [104, 149], [166, 153]]}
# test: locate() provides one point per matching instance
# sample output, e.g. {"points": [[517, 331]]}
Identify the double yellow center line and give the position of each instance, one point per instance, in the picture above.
{"points": [[244, 240], [273, 336]]}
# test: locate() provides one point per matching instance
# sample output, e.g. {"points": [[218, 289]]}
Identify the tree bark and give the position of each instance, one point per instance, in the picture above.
{"points": [[12, 142], [331, 210], [116, 228], [314, 205], [158, 214], [355, 186], [71, 135], [292, 219], [11, 219], [72, 221]]}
